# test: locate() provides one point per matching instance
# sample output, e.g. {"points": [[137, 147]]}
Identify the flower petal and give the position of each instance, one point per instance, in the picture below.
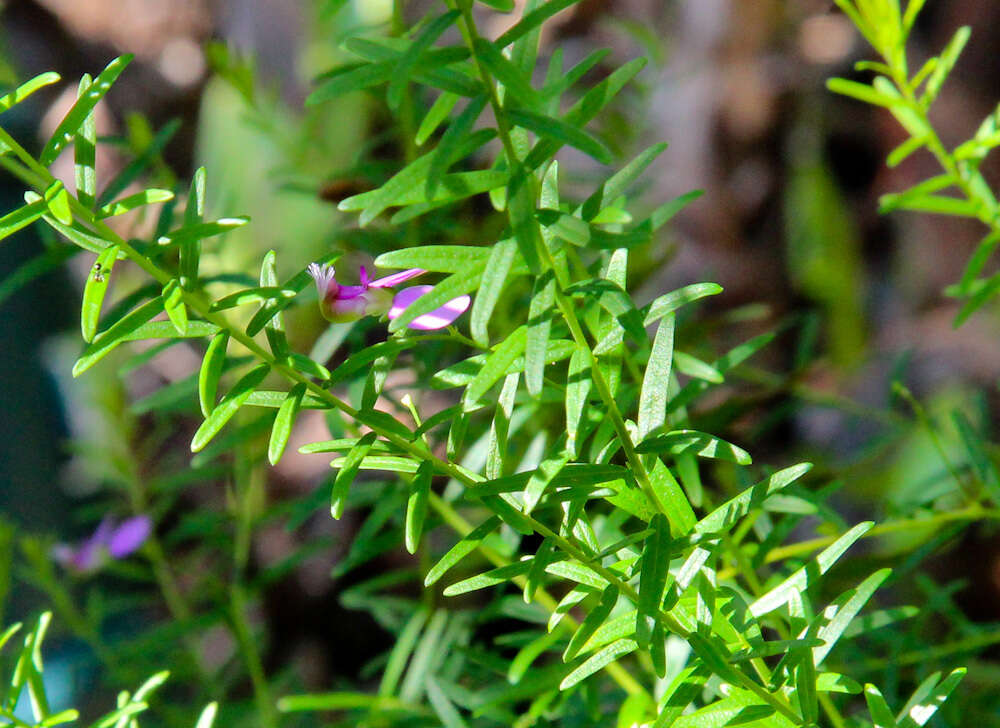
{"points": [[346, 293], [436, 319], [129, 536], [396, 278]]}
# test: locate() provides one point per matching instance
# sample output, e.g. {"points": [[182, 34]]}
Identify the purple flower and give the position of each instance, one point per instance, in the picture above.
{"points": [[108, 540], [341, 304]]}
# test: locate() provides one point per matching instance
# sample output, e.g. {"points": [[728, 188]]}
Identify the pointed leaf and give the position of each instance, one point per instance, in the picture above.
{"points": [[281, 430], [106, 342], [228, 407], [802, 578], [655, 381], [348, 471], [94, 291], [416, 506], [460, 550], [77, 115], [597, 661], [210, 371]]}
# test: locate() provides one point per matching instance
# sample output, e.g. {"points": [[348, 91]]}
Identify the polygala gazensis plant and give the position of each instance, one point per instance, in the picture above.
{"points": [[603, 560]]}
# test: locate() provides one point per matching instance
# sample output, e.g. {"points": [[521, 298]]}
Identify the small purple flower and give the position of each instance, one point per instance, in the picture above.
{"points": [[341, 304], [108, 540]]}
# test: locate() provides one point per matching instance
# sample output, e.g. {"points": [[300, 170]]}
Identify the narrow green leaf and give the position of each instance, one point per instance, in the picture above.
{"points": [[251, 295], [200, 231], [904, 150], [281, 430], [734, 357], [435, 258], [343, 701], [595, 618], [390, 463], [540, 479], [586, 109], [57, 200], [533, 20], [416, 506], [305, 365], [535, 577], [274, 329], [404, 66], [529, 653], [946, 62], [173, 304], [452, 187], [578, 385], [438, 112], [430, 68], [27, 88], [561, 132], [94, 291], [918, 712], [343, 445], [679, 694], [569, 475], [832, 682], [446, 153], [22, 217], [516, 87], [879, 709], [210, 371], [443, 707], [671, 499], [802, 578], [666, 212], [496, 366], [656, 554], [228, 407], [619, 182], [105, 343], [491, 285], [861, 92], [166, 330], [842, 611], [499, 575], [694, 367], [774, 647], [577, 572], [723, 517], [85, 153], [680, 441], [597, 661], [126, 204], [653, 395], [984, 251], [670, 302], [539, 328], [460, 550], [71, 123], [348, 471], [134, 169], [207, 717]]}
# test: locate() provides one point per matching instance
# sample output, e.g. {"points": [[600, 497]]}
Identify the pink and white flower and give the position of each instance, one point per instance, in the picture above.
{"points": [[340, 304]]}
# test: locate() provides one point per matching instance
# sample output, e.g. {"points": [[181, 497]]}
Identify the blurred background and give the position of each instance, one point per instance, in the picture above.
{"points": [[788, 225]]}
